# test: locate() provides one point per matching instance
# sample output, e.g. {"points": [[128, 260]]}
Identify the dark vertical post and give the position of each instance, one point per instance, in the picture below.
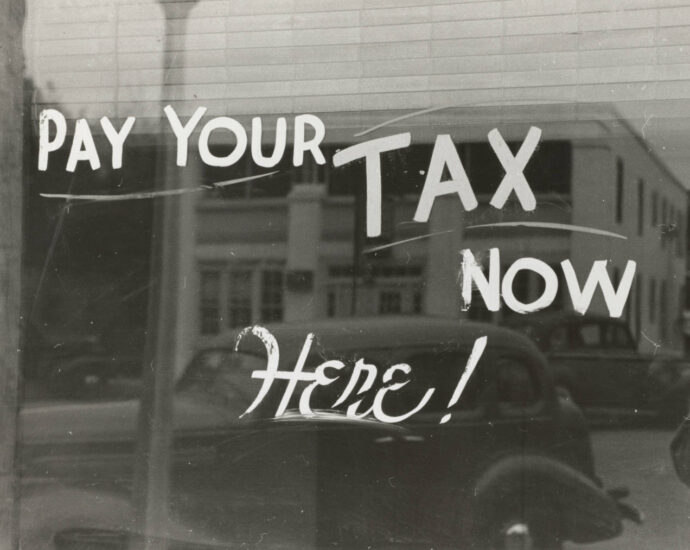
{"points": [[11, 148]]}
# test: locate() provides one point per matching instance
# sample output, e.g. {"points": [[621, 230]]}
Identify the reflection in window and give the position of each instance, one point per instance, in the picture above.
{"points": [[239, 297], [271, 295], [222, 376], [390, 302], [246, 293], [548, 170], [440, 369], [558, 339], [616, 336], [210, 295], [589, 336], [516, 386]]}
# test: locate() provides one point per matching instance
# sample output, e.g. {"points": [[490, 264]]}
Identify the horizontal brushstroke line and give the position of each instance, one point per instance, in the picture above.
{"points": [[548, 225], [396, 243], [398, 119], [153, 194]]}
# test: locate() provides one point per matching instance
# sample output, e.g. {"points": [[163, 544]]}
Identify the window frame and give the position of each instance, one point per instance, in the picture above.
{"points": [[256, 291]]}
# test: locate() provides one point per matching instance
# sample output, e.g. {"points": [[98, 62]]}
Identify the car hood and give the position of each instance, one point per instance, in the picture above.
{"points": [[82, 422]]}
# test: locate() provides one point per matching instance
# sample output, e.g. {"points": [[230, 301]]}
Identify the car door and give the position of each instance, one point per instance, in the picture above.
{"points": [[607, 372], [525, 403], [244, 479], [443, 444]]}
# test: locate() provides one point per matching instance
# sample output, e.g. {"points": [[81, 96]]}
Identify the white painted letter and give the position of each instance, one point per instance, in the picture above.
{"points": [[371, 151], [45, 144], [371, 373], [378, 400], [182, 133], [231, 125], [83, 147], [514, 178], [615, 299], [301, 145], [273, 353], [539, 267], [444, 154], [490, 289], [321, 380], [117, 139], [278, 148]]}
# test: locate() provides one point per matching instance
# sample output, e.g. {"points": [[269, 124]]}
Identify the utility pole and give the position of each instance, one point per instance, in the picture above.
{"points": [[11, 149], [162, 357]]}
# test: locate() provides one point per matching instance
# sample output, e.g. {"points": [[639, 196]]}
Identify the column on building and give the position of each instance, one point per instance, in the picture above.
{"points": [[442, 291], [305, 207]]}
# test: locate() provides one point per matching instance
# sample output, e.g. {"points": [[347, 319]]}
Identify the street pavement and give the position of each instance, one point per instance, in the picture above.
{"points": [[640, 460]]}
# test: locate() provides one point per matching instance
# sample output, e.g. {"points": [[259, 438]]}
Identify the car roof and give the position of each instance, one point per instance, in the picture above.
{"points": [[550, 318], [360, 334]]}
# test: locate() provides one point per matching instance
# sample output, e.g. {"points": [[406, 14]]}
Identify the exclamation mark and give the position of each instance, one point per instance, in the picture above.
{"points": [[472, 360]]}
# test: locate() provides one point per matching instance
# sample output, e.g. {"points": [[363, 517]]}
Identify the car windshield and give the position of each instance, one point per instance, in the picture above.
{"points": [[223, 377]]}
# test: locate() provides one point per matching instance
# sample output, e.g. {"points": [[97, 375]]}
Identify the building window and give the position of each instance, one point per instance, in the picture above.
{"points": [[417, 302], [549, 170], [239, 297], [210, 302], [655, 209], [271, 295], [390, 288], [330, 304], [277, 185], [390, 302], [619, 190], [247, 293], [652, 301], [640, 207]]}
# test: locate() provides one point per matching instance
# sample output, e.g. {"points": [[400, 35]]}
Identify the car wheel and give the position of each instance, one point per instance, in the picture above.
{"points": [[564, 392], [528, 529]]}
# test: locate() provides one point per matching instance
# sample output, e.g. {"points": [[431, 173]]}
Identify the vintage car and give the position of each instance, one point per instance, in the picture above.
{"points": [[594, 360], [512, 466]]}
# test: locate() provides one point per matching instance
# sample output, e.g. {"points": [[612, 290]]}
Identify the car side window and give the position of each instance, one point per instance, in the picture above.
{"points": [[587, 335], [516, 385], [440, 369], [223, 376], [618, 336], [558, 339]]}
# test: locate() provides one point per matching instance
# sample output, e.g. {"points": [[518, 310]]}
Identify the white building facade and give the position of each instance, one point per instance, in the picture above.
{"points": [[284, 248]]}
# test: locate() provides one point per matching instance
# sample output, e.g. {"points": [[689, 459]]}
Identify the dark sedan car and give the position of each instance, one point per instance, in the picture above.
{"points": [[595, 361], [512, 464]]}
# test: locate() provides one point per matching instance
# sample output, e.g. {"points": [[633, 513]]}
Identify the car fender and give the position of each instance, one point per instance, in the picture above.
{"points": [[564, 375], [45, 511], [587, 512]]}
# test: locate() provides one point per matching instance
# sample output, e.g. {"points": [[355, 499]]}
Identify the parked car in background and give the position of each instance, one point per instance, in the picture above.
{"points": [[513, 464], [594, 360], [62, 365], [77, 365]]}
